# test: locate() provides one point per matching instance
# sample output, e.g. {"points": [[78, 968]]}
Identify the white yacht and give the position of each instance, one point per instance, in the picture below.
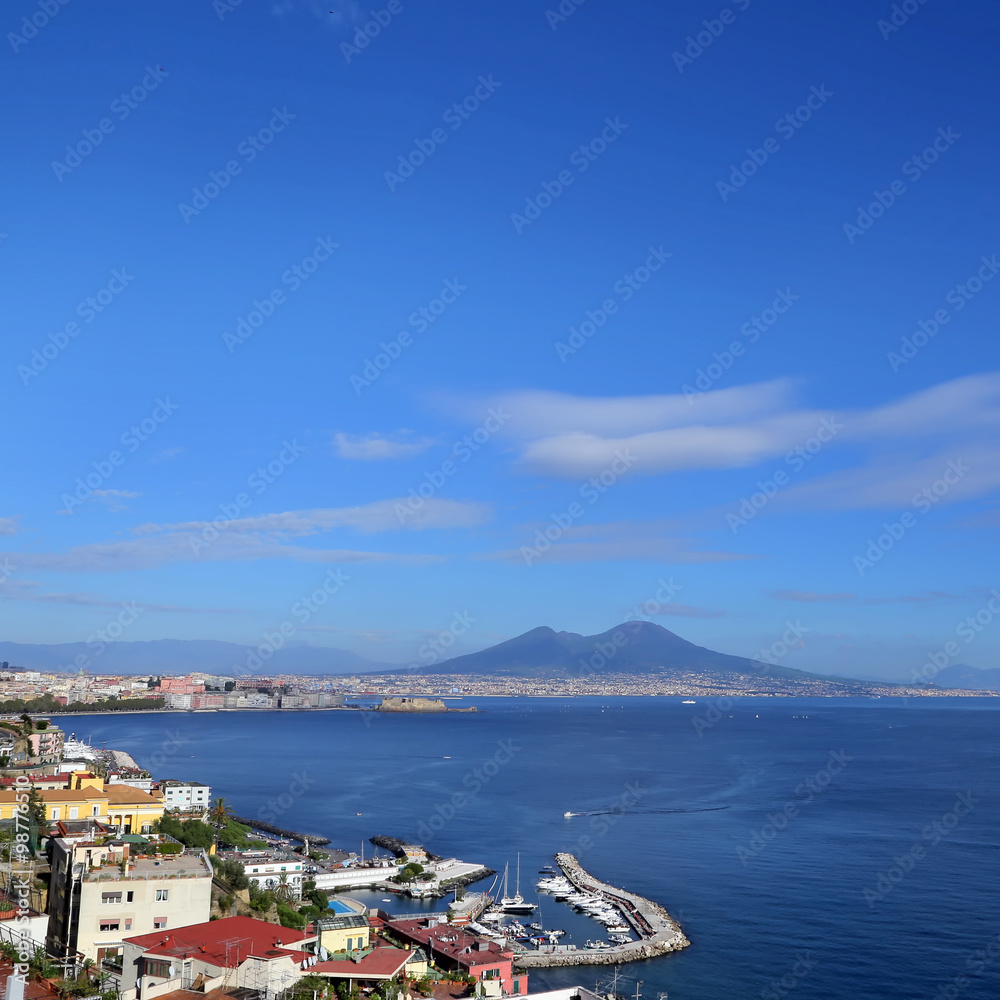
{"points": [[515, 904]]}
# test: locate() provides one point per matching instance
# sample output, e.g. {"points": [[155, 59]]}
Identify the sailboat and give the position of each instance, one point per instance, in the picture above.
{"points": [[515, 903]]}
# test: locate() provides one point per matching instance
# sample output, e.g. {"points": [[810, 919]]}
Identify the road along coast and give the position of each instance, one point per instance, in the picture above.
{"points": [[658, 932]]}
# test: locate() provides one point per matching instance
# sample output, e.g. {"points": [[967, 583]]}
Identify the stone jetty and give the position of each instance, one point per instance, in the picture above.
{"points": [[658, 932]]}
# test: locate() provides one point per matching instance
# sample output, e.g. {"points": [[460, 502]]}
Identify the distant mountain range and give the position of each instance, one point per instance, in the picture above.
{"points": [[971, 678], [632, 648], [180, 656]]}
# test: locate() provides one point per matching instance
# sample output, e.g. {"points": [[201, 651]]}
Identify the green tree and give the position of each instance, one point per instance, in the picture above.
{"points": [[220, 812]]}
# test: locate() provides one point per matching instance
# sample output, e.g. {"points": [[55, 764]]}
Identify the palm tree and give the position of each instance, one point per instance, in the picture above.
{"points": [[283, 890], [220, 812]]}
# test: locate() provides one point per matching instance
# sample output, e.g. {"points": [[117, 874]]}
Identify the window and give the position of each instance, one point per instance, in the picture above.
{"points": [[111, 925], [162, 895], [111, 897], [96, 811], [129, 896], [74, 812], [128, 924], [55, 812], [147, 828], [159, 969], [159, 923]]}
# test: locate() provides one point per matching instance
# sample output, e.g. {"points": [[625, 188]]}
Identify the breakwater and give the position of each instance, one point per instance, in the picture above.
{"points": [[258, 824], [658, 932]]}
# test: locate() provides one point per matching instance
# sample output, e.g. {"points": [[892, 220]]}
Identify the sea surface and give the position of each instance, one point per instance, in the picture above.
{"points": [[759, 824]]}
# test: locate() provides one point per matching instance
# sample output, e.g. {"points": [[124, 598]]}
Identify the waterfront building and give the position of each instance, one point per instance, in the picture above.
{"points": [[235, 951], [61, 803], [185, 796], [271, 869], [368, 970], [104, 890], [131, 809], [455, 950]]}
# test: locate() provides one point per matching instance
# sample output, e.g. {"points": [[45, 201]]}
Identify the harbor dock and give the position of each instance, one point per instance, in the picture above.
{"points": [[658, 932]]}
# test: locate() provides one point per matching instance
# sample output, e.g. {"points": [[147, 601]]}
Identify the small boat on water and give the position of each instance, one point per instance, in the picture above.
{"points": [[689, 701]]}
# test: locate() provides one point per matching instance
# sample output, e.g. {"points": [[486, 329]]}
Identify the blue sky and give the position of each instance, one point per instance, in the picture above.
{"points": [[644, 261]]}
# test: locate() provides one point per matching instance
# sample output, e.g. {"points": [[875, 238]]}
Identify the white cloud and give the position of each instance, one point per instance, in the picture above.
{"points": [[373, 447], [265, 536], [575, 437], [8, 525]]}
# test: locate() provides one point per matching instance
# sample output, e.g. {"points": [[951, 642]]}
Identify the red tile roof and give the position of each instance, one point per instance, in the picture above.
{"points": [[225, 943], [452, 942], [382, 963]]}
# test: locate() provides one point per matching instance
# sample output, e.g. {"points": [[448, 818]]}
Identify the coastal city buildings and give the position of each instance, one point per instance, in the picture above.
{"points": [[268, 869], [104, 890], [235, 952]]}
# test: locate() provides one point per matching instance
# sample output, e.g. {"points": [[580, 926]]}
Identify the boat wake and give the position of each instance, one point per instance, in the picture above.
{"points": [[643, 812]]}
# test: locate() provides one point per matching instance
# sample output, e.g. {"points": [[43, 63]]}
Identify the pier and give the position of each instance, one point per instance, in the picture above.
{"points": [[658, 932]]}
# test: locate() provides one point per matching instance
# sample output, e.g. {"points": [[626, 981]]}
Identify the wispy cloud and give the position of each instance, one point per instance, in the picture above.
{"points": [[9, 525], [809, 596], [266, 536], [572, 436], [27, 590], [374, 447], [646, 541]]}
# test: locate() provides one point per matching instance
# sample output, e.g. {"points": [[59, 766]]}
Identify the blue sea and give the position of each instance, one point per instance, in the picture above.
{"points": [[810, 848]]}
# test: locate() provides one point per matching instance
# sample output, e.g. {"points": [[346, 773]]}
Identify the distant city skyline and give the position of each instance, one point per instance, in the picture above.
{"points": [[458, 322]]}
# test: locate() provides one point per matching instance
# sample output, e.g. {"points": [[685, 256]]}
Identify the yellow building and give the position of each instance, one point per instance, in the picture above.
{"points": [[131, 809], [61, 803], [350, 932]]}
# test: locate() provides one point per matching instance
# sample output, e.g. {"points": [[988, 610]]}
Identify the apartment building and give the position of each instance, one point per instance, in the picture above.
{"points": [[102, 891], [185, 796], [233, 952]]}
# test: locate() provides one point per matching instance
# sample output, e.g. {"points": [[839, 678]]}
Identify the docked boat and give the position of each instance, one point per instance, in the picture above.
{"points": [[515, 904]]}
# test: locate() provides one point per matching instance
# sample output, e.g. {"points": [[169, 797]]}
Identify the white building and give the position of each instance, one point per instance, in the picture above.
{"points": [[266, 868], [187, 796]]}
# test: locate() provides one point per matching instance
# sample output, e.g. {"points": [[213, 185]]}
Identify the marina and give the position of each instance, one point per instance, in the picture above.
{"points": [[637, 928]]}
